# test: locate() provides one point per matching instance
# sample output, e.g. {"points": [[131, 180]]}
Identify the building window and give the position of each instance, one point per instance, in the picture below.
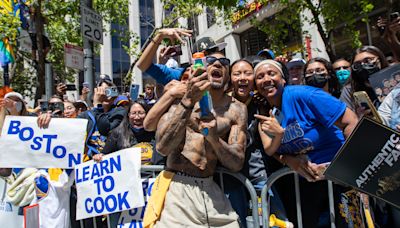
{"points": [[211, 18], [252, 41], [193, 25], [119, 56], [146, 16]]}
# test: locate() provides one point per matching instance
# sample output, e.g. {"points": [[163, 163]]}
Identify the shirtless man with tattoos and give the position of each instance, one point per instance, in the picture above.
{"points": [[193, 198]]}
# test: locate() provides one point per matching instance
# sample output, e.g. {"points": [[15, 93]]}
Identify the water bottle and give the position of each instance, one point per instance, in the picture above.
{"points": [[206, 105], [206, 101]]}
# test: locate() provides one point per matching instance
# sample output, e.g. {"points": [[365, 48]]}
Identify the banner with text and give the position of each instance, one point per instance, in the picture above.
{"points": [[369, 161], [109, 186], [134, 217], [24, 145]]}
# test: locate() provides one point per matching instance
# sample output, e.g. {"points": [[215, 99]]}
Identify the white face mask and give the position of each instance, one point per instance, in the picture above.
{"points": [[18, 106]]}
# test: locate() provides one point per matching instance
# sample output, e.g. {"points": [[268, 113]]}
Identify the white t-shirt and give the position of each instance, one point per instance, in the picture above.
{"points": [[53, 200]]}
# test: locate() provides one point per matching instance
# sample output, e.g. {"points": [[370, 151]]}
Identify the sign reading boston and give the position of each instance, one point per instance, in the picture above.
{"points": [[109, 186], [24, 145]]}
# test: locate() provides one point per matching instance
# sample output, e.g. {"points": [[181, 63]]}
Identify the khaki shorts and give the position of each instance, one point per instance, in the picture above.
{"points": [[196, 202]]}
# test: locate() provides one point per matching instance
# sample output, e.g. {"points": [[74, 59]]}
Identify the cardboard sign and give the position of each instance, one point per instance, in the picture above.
{"points": [[385, 80], [369, 161], [112, 185], [134, 217], [24, 145]]}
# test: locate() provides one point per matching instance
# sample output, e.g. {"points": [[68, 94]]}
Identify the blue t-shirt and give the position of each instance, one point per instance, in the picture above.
{"points": [[163, 74], [309, 115]]}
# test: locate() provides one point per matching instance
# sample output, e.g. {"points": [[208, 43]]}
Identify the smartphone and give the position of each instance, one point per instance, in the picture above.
{"points": [[112, 92], [85, 84], [44, 106], [134, 92], [56, 106], [174, 51], [71, 87], [362, 99], [394, 16], [278, 115]]}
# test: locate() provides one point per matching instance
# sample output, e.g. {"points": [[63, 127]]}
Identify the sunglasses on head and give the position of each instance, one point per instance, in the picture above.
{"points": [[223, 61]]}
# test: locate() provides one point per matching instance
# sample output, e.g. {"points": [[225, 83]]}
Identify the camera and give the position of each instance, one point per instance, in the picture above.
{"points": [[71, 87], [112, 91], [44, 106], [174, 51], [394, 16], [57, 106]]}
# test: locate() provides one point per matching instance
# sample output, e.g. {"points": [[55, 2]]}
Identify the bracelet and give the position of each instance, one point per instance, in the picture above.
{"points": [[186, 107], [158, 43]]}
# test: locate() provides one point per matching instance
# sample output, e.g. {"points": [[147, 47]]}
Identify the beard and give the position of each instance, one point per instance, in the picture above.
{"points": [[217, 85]]}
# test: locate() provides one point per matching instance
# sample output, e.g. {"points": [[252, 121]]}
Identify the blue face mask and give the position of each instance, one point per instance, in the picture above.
{"points": [[137, 130], [342, 76]]}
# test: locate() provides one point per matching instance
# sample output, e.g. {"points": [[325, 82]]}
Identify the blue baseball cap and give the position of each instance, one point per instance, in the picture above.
{"points": [[121, 100], [266, 53]]}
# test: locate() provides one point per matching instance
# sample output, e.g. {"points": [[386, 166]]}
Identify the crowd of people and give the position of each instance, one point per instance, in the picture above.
{"points": [[268, 112]]}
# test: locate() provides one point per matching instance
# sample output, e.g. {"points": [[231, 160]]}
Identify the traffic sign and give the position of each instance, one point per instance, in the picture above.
{"points": [[91, 25], [73, 56]]}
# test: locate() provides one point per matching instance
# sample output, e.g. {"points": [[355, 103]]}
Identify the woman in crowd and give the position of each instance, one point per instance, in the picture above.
{"points": [[319, 73], [14, 104], [70, 111], [130, 133], [242, 87], [313, 125], [366, 61]]}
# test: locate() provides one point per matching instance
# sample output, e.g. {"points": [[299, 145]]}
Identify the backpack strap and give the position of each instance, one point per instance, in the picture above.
{"points": [[91, 149]]}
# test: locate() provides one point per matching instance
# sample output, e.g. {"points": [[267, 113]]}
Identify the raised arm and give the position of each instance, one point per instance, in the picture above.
{"points": [[173, 91], [150, 51], [171, 129], [230, 154]]}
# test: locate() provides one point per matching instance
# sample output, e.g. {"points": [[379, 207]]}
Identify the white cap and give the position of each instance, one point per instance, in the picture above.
{"points": [[14, 94], [171, 63]]}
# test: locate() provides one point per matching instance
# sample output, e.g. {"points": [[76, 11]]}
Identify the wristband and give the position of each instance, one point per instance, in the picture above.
{"points": [[186, 107], [152, 40]]}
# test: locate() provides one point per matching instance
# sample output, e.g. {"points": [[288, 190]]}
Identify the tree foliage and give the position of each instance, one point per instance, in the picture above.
{"points": [[327, 15], [63, 26]]}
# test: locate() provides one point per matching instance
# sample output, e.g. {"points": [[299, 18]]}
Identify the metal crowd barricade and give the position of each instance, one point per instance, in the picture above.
{"points": [[151, 171], [265, 199]]}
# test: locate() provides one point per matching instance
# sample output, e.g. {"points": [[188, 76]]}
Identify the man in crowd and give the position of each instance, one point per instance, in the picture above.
{"points": [[296, 71], [149, 94], [162, 73], [193, 198]]}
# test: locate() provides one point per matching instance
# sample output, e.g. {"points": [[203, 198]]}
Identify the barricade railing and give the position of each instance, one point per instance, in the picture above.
{"points": [[153, 170], [265, 199]]}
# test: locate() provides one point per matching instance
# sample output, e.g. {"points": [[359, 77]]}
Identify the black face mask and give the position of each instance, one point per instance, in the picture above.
{"points": [[362, 73], [317, 80]]}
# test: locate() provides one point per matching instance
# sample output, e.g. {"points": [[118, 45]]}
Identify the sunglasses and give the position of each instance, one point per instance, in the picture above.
{"points": [[366, 61], [223, 61]]}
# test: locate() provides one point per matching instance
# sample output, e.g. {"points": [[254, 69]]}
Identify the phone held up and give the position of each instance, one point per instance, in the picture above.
{"points": [[362, 100]]}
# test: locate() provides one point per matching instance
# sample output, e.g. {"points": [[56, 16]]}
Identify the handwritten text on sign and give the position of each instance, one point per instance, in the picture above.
{"points": [[24, 144], [112, 185], [134, 217]]}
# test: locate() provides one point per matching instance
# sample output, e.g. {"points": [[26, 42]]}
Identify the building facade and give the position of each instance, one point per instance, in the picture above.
{"points": [[144, 17], [242, 38]]}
